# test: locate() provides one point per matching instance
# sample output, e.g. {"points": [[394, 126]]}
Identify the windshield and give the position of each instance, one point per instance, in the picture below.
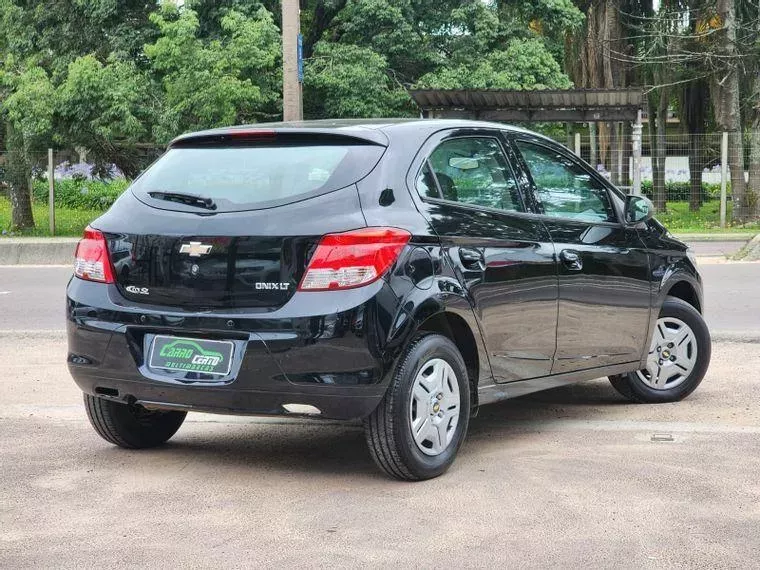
{"points": [[250, 177]]}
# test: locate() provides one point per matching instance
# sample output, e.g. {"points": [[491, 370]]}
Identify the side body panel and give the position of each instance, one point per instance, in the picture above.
{"points": [[604, 286], [505, 263], [669, 266], [604, 307], [426, 283]]}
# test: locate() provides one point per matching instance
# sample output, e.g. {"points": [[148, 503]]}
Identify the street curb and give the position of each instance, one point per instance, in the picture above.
{"points": [[37, 251], [751, 251], [19, 334], [745, 337], [725, 236]]}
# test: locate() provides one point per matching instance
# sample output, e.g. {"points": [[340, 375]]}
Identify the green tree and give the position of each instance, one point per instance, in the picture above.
{"points": [[105, 108], [38, 41], [524, 64], [28, 112], [214, 82], [351, 81]]}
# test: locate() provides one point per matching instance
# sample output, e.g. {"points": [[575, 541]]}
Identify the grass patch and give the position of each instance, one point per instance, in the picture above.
{"points": [[678, 218], [68, 222]]}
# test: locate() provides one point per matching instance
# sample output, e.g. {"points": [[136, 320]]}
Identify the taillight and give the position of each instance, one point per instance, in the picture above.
{"points": [[92, 262], [353, 259]]}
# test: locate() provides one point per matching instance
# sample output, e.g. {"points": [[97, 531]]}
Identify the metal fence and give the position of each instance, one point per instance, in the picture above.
{"points": [[682, 152], [695, 166]]}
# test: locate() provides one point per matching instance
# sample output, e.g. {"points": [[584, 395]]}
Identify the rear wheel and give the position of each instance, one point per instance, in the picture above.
{"points": [[417, 429], [131, 426], [679, 355]]}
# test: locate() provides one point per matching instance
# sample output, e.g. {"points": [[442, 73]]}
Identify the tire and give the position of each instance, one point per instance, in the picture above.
{"points": [[430, 362], [131, 426], [685, 363]]}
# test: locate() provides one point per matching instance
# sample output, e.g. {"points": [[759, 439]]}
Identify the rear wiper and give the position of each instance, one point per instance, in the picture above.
{"points": [[189, 199]]}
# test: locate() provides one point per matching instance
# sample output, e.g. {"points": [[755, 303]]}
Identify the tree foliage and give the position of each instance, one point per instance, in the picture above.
{"points": [[110, 75], [210, 82], [346, 80], [524, 64]]}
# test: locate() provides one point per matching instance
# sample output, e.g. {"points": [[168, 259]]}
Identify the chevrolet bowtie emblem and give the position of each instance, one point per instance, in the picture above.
{"points": [[195, 248]]}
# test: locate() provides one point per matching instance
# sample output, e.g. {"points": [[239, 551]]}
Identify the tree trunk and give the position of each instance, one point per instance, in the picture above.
{"points": [[693, 114], [753, 185], [18, 172], [658, 172], [615, 154], [593, 159], [741, 211], [727, 111]]}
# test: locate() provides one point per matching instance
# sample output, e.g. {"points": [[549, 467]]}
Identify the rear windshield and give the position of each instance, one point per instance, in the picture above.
{"points": [[237, 178]]}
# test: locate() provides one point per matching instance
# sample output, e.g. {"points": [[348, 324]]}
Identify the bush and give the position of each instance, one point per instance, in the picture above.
{"points": [[78, 194], [679, 191]]}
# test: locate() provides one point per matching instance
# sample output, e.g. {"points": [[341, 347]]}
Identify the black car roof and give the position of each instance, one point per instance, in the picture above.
{"points": [[378, 131]]}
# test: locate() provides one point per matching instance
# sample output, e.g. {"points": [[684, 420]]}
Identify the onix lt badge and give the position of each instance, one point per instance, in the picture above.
{"points": [[195, 248]]}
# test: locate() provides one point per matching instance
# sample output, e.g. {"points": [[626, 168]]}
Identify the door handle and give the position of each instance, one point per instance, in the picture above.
{"points": [[571, 259], [471, 258]]}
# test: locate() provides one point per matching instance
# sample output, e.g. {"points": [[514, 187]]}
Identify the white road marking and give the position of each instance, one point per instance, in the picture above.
{"points": [[4, 292]]}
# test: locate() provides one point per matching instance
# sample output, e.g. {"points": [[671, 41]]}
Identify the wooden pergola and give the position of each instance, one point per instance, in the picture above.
{"points": [[567, 106]]}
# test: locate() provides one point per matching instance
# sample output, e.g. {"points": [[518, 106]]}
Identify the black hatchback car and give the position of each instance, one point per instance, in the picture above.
{"points": [[399, 272]]}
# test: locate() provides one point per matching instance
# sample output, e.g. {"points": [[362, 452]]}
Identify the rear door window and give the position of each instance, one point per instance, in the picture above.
{"points": [[470, 170], [234, 178]]}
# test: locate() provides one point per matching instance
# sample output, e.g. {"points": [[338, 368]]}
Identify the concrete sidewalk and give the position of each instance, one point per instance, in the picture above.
{"points": [[37, 251], [60, 251]]}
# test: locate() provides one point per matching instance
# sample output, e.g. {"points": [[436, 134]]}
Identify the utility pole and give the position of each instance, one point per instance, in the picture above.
{"points": [[292, 74]]}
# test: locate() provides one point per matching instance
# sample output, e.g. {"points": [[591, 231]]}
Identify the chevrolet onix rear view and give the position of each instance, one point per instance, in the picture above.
{"points": [[402, 273]]}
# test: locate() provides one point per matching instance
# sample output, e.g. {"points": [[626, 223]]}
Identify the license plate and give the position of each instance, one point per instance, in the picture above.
{"points": [[191, 355]]}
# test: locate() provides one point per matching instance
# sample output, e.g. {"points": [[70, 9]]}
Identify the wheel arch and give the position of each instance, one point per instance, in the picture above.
{"points": [[681, 285], [683, 289], [454, 327]]}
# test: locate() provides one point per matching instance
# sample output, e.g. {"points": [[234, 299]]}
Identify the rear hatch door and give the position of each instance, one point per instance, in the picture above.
{"points": [[229, 222]]}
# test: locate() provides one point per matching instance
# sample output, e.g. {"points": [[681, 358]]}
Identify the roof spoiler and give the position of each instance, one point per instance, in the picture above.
{"points": [[251, 135]]}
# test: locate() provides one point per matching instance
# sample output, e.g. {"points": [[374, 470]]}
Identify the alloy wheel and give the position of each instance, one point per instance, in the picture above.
{"points": [[672, 355]]}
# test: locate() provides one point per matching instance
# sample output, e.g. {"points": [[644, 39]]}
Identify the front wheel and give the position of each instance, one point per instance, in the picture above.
{"points": [[679, 355], [131, 426], [417, 429]]}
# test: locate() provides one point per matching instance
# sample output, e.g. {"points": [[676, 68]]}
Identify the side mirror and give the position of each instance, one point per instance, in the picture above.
{"points": [[637, 209]]}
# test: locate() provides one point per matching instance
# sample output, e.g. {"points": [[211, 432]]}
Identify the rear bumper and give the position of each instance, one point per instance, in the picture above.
{"points": [[332, 362]]}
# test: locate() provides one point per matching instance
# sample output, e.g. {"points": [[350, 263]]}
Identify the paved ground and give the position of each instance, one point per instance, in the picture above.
{"points": [[717, 248], [732, 297], [569, 478], [32, 298]]}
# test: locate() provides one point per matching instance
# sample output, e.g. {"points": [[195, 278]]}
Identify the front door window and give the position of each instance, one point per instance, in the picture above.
{"points": [[564, 188]]}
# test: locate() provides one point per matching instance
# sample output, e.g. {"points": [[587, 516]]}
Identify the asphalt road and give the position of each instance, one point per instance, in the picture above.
{"points": [[32, 298], [570, 478]]}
